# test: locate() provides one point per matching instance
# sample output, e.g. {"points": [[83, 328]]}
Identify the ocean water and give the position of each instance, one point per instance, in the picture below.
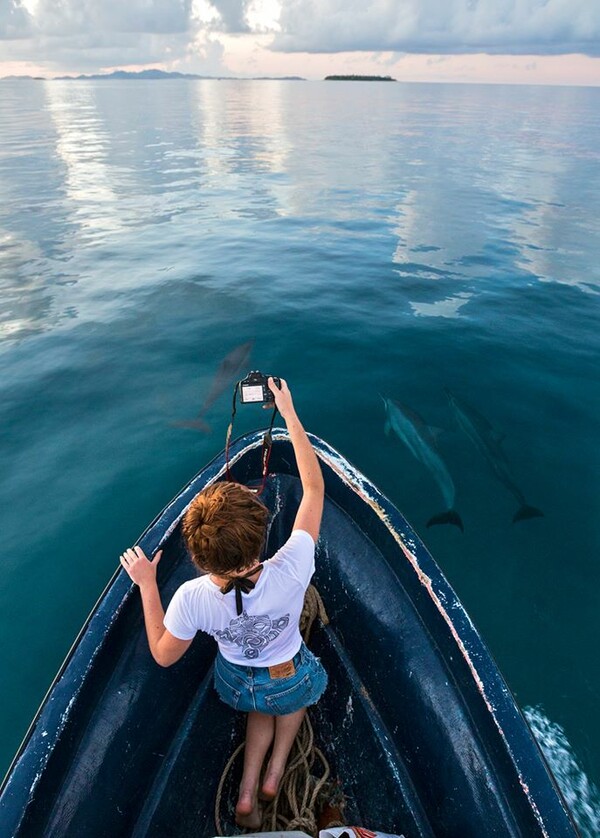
{"points": [[370, 240]]}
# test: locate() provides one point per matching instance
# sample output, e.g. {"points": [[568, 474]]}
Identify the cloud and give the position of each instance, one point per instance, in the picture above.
{"points": [[69, 36], [517, 27], [89, 35], [100, 16], [92, 52], [233, 14], [15, 20]]}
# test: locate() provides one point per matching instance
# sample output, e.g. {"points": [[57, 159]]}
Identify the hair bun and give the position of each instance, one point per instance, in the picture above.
{"points": [[224, 528], [207, 530]]}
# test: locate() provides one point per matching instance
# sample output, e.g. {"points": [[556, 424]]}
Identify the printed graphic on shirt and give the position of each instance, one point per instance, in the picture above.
{"points": [[253, 634]]}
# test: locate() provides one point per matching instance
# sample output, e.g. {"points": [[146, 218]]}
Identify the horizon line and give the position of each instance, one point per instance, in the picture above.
{"points": [[177, 75]]}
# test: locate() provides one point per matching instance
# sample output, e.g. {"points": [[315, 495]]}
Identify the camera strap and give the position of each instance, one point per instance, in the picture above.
{"points": [[267, 442]]}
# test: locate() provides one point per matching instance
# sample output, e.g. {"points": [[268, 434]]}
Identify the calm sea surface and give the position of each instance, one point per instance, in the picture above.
{"points": [[370, 239]]}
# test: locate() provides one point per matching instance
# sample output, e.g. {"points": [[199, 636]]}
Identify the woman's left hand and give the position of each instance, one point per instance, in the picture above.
{"points": [[140, 569]]}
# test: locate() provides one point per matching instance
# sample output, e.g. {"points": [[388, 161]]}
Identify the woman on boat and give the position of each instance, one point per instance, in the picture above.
{"points": [[251, 609]]}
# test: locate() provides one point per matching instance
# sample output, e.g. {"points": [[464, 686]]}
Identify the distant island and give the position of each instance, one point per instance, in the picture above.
{"points": [[359, 78], [144, 75]]}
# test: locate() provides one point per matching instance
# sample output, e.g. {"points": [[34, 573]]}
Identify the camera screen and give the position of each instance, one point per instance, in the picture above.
{"points": [[252, 393]]}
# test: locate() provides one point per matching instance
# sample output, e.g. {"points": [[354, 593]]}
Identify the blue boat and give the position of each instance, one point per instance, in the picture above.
{"points": [[417, 722]]}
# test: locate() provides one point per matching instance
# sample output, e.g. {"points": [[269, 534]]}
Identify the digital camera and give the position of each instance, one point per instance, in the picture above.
{"points": [[254, 389]]}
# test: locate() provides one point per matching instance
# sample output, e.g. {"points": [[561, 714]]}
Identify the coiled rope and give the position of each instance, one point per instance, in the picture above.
{"points": [[305, 783]]}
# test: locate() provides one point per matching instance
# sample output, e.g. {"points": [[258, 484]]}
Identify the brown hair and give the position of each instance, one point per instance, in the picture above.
{"points": [[224, 528]]}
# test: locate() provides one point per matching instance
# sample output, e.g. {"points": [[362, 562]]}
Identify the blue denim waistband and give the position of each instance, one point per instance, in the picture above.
{"points": [[255, 670]]}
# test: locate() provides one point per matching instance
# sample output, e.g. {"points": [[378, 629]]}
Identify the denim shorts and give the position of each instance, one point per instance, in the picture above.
{"points": [[249, 688]]}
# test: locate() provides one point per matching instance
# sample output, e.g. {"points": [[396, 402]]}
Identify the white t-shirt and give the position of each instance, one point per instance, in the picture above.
{"points": [[266, 632]]}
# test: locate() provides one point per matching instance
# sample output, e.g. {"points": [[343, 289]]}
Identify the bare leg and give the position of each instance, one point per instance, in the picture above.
{"points": [[286, 728], [259, 735]]}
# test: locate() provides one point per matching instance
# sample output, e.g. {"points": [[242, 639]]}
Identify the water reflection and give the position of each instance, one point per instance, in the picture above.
{"points": [[82, 144], [551, 240], [116, 183], [448, 307], [22, 287], [243, 143], [32, 217], [212, 131], [506, 216]]}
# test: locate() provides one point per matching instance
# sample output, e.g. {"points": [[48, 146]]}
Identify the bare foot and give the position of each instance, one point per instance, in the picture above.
{"points": [[247, 812], [270, 784]]}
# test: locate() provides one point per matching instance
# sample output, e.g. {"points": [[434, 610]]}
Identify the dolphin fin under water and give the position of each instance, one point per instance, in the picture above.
{"points": [[451, 516], [526, 511], [488, 442], [410, 428]]}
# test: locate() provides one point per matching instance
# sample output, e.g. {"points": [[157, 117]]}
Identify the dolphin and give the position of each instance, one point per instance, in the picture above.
{"points": [[488, 442], [420, 441], [230, 369]]}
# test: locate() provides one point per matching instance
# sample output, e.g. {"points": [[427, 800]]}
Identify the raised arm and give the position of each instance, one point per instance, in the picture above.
{"points": [[310, 511]]}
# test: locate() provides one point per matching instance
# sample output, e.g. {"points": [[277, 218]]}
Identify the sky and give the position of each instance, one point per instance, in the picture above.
{"points": [[497, 41]]}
